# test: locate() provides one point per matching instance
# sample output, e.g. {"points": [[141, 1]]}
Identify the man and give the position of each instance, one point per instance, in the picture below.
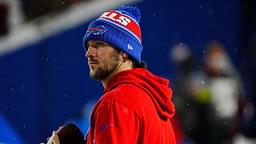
{"points": [[136, 105]]}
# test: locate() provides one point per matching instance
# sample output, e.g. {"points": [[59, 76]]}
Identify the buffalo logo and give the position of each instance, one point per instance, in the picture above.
{"points": [[98, 30]]}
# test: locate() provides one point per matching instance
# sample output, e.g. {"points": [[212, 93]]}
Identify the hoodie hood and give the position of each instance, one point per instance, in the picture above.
{"points": [[157, 88]]}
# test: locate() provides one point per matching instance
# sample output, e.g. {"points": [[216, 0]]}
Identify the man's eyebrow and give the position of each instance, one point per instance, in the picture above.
{"points": [[101, 43]]}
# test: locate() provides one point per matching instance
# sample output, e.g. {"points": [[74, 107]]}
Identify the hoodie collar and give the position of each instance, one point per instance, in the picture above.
{"points": [[157, 88]]}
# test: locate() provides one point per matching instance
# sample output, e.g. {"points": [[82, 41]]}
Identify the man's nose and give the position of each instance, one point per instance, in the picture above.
{"points": [[90, 52]]}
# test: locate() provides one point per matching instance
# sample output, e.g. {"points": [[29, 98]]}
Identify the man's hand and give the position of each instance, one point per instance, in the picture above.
{"points": [[54, 139]]}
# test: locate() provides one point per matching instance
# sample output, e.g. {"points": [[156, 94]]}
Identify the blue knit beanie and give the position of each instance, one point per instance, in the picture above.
{"points": [[120, 28]]}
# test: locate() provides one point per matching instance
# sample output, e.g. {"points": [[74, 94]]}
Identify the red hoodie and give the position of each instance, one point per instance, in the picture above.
{"points": [[136, 108]]}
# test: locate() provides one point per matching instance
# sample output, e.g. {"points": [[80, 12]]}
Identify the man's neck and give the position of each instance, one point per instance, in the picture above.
{"points": [[121, 67]]}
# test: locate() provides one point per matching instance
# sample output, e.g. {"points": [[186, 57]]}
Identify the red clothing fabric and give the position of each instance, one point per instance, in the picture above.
{"points": [[136, 108]]}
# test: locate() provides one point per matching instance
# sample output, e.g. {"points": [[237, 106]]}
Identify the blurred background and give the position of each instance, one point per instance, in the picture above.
{"points": [[206, 48]]}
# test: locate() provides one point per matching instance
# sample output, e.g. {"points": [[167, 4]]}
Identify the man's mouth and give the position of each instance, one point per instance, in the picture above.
{"points": [[92, 62]]}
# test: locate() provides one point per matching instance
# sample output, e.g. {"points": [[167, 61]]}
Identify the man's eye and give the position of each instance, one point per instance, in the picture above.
{"points": [[92, 46]]}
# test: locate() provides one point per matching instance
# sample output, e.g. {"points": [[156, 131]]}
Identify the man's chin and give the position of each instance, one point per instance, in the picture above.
{"points": [[98, 75], [92, 75]]}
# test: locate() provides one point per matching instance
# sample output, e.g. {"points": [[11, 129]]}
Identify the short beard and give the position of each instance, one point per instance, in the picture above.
{"points": [[109, 67]]}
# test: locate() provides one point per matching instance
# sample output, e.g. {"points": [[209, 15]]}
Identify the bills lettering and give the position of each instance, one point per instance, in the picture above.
{"points": [[116, 17]]}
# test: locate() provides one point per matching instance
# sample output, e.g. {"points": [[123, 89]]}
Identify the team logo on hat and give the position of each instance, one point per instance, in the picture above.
{"points": [[98, 30]]}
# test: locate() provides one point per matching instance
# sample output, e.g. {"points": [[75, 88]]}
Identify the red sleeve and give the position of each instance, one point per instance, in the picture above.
{"points": [[115, 124]]}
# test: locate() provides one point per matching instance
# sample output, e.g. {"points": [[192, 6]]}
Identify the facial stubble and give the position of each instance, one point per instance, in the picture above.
{"points": [[107, 68]]}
